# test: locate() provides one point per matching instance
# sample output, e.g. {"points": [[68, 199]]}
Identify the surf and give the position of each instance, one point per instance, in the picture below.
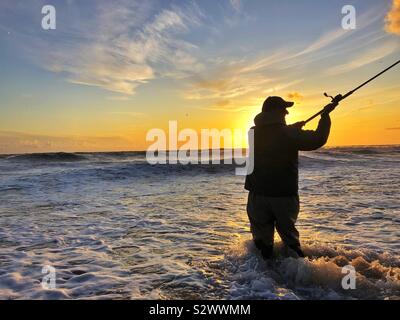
{"points": [[318, 276]]}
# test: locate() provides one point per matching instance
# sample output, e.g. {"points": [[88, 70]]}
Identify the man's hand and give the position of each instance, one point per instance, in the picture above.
{"points": [[299, 124], [330, 107]]}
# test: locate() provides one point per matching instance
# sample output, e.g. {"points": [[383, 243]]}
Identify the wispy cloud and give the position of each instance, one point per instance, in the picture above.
{"points": [[127, 113], [247, 102], [126, 44], [234, 80], [122, 45], [20, 142], [236, 4], [393, 18], [225, 85], [324, 41], [370, 56], [124, 58], [295, 96]]}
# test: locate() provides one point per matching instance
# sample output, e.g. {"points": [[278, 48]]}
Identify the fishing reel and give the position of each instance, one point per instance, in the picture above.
{"points": [[335, 99], [339, 97]]}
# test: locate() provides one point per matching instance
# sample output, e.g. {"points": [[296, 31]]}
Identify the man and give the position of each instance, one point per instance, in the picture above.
{"points": [[273, 199]]}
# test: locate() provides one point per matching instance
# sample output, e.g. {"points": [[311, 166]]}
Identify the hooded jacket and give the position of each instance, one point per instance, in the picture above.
{"points": [[276, 148]]}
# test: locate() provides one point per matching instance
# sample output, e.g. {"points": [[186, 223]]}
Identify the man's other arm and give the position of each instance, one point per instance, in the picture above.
{"points": [[307, 140]]}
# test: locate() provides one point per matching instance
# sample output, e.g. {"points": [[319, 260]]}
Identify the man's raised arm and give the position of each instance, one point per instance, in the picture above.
{"points": [[307, 140]]}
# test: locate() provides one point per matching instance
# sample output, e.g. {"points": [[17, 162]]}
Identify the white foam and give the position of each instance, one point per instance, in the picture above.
{"points": [[319, 276], [120, 229]]}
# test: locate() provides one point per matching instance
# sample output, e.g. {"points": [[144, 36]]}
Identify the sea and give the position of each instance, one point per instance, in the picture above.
{"points": [[112, 226]]}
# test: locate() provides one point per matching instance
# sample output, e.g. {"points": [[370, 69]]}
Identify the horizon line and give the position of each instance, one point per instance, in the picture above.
{"points": [[220, 149]]}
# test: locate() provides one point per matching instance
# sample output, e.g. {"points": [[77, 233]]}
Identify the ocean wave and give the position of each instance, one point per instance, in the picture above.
{"points": [[50, 157], [361, 150], [319, 276], [321, 155], [123, 154]]}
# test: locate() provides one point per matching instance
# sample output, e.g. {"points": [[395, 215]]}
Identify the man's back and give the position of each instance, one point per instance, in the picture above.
{"points": [[276, 147]]}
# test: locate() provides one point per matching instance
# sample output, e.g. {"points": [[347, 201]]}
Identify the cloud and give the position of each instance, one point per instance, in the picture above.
{"points": [[338, 40], [238, 79], [223, 103], [324, 41], [295, 96], [226, 84], [121, 46], [372, 55], [20, 142], [121, 61], [119, 97], [128, 43], [234, 89], [231, 109], [236, 4], [394, 128], [393, 18], [263, 74], [260, 64], [127, 113]]}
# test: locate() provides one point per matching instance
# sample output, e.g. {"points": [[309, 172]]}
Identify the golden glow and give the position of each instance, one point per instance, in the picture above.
{"points": [[106, 94]]}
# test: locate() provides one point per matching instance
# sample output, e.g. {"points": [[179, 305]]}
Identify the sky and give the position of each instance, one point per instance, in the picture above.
{"points": [[113, 70]]}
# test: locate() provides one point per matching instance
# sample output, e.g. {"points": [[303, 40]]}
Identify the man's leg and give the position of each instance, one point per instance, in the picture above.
{"points": [[261, 224], [286, 211]]}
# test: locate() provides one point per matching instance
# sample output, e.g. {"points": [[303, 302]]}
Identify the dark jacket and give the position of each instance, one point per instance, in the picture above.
{"points": [[276, 147]]}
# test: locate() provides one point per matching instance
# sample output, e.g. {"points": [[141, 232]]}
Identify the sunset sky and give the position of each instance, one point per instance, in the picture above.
{"points": [[112, 70]]}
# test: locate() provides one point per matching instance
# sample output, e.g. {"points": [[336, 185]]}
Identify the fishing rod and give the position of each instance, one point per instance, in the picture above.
{"points": [[339, 97]]}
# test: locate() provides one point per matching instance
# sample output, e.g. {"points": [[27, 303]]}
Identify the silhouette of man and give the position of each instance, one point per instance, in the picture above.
{"points": [[273, 199]]}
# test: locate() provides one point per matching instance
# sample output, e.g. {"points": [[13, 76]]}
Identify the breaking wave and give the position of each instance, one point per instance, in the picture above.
{"points": [[102, 221], [50, 157], [319, 276]]}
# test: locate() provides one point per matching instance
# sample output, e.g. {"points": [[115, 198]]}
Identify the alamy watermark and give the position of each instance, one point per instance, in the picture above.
{"points": [[49, 278], [187, 146], [349, 20], [49, 19], [349, 280]]}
